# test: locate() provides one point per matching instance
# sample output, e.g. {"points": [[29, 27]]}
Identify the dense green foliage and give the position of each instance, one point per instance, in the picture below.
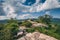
{"points": [[8, 30], [45, 19], [26, 23], [30, 30]]}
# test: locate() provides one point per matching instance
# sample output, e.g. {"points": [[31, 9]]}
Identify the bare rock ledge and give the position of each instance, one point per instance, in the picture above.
{"points": [[36, 36]]}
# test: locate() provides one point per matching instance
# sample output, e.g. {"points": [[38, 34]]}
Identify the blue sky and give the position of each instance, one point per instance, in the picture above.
{"points": [[23, 9]]}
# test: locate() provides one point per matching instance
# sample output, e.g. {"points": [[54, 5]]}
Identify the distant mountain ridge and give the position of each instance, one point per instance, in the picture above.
{"points": [[3, 21], [54, 20]]}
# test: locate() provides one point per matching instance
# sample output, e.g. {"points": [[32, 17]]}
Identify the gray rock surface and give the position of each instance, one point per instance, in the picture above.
{"points": [[36, 36]]}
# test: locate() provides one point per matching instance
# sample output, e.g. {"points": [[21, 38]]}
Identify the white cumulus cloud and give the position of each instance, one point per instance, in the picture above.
{"points": [[9, 10], [36, 7], [12, 6], [50, 4], [25, 16], [3, 17]]}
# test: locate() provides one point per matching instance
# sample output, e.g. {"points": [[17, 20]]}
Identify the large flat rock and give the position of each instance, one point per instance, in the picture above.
{"points": [[37, 36]]}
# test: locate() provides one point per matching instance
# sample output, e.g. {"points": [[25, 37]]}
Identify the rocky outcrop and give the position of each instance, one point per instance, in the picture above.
{"points": [[36, 36]]}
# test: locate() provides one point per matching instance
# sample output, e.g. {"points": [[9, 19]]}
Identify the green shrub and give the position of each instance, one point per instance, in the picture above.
{"points": [[8, 30], [30, 30], [27, 24]]}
